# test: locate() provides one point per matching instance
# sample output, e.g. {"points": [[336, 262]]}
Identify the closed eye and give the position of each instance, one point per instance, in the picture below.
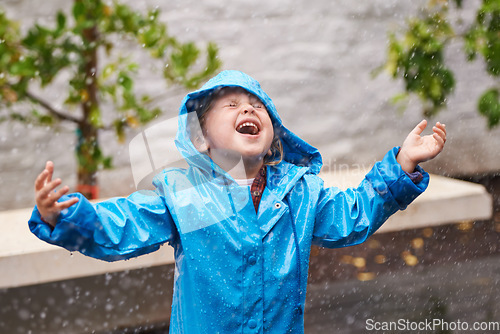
{"points": [[256, 103]]}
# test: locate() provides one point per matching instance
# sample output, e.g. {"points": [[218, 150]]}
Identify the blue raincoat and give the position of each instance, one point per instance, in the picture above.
{"points": [[237, 271]]}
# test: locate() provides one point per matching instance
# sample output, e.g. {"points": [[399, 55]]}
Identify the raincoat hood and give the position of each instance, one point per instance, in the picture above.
{"points": [[295, 150]]}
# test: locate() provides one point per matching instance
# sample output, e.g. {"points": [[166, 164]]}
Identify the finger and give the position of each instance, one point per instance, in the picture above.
{"points": [[419, 128], [440, 132], [58, 194], [49, 188], [49, 166], [40, 180], [442, 127], [440, 141], [66, 204]]}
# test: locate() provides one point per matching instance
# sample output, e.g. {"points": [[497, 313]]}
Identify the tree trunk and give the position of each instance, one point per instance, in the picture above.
{"points": [[88, 151], [87, 166]]}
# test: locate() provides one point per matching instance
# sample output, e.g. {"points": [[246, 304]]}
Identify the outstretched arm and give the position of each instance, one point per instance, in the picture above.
{"points": [[417, 149], [348, 217], [46, 198], [116, 229]]}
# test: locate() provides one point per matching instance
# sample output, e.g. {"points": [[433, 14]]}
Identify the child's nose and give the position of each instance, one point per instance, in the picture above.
{"points": [[247, 108]]}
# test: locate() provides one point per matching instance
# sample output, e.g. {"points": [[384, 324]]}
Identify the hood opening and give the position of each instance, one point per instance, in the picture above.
{"points": [[295, 150]]}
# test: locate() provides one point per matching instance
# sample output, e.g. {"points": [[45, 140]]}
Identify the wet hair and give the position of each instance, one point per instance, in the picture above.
{"points": [[202, 105]]}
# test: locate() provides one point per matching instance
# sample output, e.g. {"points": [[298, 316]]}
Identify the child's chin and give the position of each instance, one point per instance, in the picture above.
{"points": [[253, 156]]}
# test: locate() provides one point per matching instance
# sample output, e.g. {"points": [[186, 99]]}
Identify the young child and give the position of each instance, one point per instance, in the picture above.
{"points": [[242, 217]]}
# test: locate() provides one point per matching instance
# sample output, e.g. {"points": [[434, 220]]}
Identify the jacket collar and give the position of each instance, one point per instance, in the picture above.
{"points": [[280, 181], [282, 177]]}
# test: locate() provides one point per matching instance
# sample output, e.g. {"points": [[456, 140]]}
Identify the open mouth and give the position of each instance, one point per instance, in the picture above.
{"points": [[248, 128]]}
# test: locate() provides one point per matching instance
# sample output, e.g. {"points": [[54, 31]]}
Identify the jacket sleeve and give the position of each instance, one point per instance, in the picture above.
{"points": [[349, 217], [116, 229]]}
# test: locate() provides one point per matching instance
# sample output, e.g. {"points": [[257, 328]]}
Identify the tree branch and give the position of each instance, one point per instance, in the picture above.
{"points": [[51, 110]]}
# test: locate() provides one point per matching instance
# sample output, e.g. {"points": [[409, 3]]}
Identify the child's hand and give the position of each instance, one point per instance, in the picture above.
{"points": [[417, 149], [46, 198]]}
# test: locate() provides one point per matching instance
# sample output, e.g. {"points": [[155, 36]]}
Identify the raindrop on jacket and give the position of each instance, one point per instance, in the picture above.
{"points": [[237, 271]]}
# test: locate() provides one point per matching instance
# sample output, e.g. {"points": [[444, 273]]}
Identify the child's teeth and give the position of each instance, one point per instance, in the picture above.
{"points": [[251, 128], [247, 124]]}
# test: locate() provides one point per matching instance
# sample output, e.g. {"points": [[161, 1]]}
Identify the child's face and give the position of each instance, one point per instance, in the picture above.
{"points": [[238, 126]]}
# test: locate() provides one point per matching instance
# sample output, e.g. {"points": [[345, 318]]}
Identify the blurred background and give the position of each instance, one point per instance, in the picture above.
{"points": [[329, 69], [316, 61]]}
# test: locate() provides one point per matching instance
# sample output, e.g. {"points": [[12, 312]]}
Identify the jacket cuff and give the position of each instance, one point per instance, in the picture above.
{"points": [[390, 181], [415, 177], [67, 231], [39, 227]]}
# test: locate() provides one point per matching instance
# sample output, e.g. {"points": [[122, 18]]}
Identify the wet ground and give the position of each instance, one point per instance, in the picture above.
{"points": [[452, 274]]}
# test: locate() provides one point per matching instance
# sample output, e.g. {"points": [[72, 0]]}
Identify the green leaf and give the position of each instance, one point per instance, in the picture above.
{"points": [[95, 117], [119, 126], [107, 162], [417, 57], [125, 81], [18, 117], [483, 36], [42, 119], [132, 67], [61, 22], [79, 10], [489, 106], [23, 68], [492, 56], [108, 70], [151, 36]]}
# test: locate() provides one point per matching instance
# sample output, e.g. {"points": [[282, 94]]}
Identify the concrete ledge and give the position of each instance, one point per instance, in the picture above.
{"points": [[28, 261], [445, 201]]}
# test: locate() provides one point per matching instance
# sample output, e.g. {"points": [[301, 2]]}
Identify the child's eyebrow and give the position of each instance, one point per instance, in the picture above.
{"points": [[237, 99], [231, 100], [255, 99]]}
